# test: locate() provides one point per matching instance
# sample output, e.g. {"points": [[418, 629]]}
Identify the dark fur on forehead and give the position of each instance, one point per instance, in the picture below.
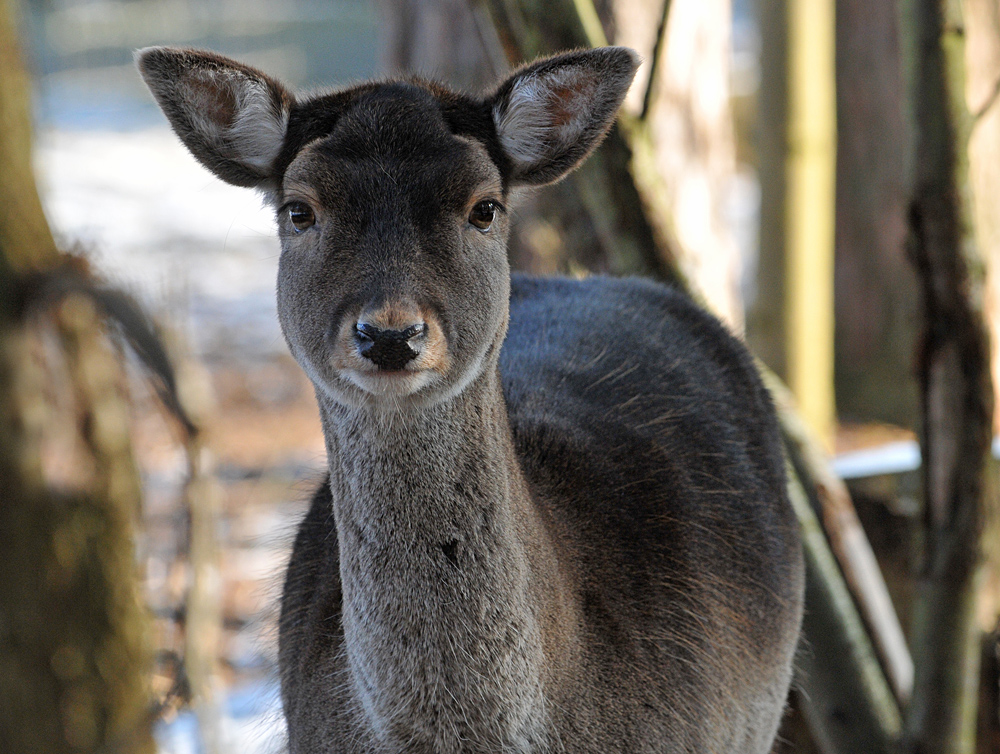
{"points": [[318, 116]]}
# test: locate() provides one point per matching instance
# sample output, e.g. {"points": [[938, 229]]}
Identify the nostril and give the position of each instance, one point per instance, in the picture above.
{"points": [[366, 333], [387, 349], [414, 330]]}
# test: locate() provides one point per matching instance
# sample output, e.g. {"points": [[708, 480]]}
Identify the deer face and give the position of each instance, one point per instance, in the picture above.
{"points": [[391, 204], [393, 281]]}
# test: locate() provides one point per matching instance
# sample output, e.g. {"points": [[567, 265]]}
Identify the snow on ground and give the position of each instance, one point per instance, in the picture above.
{"points": [[154, 220]]}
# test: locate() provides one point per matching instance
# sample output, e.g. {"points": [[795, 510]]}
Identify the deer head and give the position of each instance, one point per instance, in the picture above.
{"points": [[392, 203]]}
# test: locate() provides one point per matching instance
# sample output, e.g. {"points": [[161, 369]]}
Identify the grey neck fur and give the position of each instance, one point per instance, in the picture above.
{"points": [[443, 645]]}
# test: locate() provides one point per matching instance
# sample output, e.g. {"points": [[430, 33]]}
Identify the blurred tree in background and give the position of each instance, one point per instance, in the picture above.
{"points": [[74, 653]]}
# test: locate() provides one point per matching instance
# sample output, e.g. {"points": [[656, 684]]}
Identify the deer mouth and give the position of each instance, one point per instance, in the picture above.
{"points": [[397, 383]]}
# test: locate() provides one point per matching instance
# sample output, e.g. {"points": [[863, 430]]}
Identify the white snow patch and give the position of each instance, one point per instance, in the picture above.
{"points": [[153, 220]]}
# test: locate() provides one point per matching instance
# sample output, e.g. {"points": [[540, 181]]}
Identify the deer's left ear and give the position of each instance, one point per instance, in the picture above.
{"points": [[550, 115], [232, 117]]}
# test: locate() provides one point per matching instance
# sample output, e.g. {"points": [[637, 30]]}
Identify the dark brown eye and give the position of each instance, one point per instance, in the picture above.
{"points": [[301, 216], [483, 213]]}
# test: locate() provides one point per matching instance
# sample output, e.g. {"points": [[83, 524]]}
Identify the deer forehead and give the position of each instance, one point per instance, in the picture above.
{"points": [[393, 143]]}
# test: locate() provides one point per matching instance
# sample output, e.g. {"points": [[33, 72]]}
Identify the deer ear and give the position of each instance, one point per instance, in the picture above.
{"points": [[232, 117], [550, 115]]}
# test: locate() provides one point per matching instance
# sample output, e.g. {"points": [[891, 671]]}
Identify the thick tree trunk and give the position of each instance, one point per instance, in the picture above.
{"points": [[686, 106], [73, 651]]}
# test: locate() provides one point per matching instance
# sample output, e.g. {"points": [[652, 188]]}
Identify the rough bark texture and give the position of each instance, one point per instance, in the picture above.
{"points": [[953, 366], [73, 651]]}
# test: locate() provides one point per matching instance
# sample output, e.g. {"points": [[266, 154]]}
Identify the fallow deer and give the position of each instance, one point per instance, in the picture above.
{"points": [[555, 518]]}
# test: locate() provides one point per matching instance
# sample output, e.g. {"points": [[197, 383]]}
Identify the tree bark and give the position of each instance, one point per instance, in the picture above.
{"points": [[766, 325], [982, 96], [73, 649], [810, 170], [956, 394], [684, 103]]}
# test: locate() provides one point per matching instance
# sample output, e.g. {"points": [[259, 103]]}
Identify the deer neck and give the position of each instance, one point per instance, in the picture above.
{"points": [[438, 547]]}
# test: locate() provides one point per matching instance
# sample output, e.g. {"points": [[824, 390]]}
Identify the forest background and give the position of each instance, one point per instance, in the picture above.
{"points": [[777, 158]]}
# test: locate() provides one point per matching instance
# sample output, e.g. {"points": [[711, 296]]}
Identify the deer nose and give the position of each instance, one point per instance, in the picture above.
{"points": [[388, 349]]}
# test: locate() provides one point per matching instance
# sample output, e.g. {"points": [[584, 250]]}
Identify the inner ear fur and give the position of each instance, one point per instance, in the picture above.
{"points": [[232, 117], [551, 114]]}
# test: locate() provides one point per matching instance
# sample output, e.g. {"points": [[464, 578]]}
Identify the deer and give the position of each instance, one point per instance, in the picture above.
{"points": [[555, 516]]}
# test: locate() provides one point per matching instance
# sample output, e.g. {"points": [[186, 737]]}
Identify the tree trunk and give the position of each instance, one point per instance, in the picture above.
{"points": [[73, 650], [810, 169], [766, 325], [957, 399], [982, 96], [685, 103], [876, 289]]}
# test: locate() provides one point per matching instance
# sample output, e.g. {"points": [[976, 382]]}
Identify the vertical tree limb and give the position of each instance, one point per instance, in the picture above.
{"points": [[810, 167], [957, 400]]}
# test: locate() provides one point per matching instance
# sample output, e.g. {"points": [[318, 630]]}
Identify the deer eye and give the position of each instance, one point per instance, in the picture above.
{"points": [[301, 216], [483, 213]]}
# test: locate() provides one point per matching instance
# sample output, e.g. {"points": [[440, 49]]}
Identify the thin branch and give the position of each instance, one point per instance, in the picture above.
{"points": [[844, 696], [654, 63], [847, 540]]}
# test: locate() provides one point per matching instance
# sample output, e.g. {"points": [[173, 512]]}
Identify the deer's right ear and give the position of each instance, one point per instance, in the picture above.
{"points": [[232, 117]]}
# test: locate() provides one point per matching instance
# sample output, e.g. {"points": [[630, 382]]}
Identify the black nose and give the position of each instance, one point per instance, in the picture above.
{"points": [[387, 349]]}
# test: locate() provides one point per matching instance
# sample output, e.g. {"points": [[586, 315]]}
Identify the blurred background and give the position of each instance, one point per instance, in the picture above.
{"points": [[722, 137]]}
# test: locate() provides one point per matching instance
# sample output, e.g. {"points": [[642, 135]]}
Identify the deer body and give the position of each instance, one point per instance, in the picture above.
{"points": [[555, 517]]}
